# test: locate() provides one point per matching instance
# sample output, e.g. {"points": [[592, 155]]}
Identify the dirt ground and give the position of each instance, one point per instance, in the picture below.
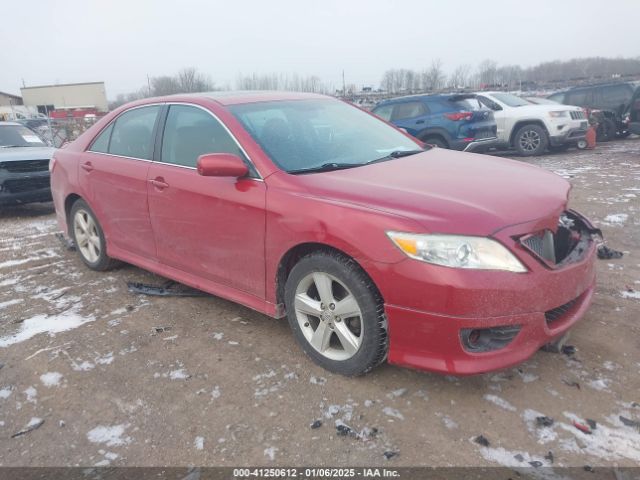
{"points": [[124, 379]]}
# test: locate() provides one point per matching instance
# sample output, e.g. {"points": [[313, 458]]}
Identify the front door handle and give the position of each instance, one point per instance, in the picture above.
{"points": [[87, 166], [159, 183]]}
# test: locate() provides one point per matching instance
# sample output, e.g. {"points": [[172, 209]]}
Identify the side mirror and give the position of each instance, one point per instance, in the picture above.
{"points": [[221, 165]]}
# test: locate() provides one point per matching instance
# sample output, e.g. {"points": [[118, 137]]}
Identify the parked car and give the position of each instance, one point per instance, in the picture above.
{"points": [[532, 129], [24, 165], [633, 113], [304, 206], [456, 121], [610, 103]]}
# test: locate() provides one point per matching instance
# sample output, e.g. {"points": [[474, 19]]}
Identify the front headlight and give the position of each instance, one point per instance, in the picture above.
{"points": [[458, 251], [559, 114]]}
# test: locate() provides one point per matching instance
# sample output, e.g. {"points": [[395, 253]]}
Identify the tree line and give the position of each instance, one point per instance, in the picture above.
{"points": [[431, 78]]}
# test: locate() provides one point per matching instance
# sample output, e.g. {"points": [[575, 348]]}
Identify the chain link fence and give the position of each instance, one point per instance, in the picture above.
{"points": [[63, 130]]}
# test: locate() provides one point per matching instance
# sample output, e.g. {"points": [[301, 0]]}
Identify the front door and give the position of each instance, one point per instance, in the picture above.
{"points": [[211, 227]]}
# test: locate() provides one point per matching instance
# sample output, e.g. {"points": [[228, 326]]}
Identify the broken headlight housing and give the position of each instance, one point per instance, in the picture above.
{"points": [[457, 251]]}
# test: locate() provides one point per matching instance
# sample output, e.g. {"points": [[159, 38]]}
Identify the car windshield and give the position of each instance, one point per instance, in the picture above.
{"points": [[19, 136], [301, 135], [510, 100]]}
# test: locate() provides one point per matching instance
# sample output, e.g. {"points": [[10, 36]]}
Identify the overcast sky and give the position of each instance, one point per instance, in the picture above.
{"points": [[121, 42]]}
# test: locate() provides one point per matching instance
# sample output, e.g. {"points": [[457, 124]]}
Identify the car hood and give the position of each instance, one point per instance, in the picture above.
{"points": [[448, 192], [25, 153], [544, 108]]}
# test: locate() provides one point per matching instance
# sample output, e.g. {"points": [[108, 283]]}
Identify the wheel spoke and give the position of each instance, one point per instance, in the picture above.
{"points": [[348, 340], [307, 305], [323, 285], [82, 222], [81, 238], [320, 338], [347, 307]]}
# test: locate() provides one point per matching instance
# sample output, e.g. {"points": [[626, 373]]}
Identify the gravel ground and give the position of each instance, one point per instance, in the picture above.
{"points": [[124, 379]]}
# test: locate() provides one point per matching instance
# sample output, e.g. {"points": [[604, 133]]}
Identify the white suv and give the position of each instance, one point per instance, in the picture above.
{"points": [[531, 129]]}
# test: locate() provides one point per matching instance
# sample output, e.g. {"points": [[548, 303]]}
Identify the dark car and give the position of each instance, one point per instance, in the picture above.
{"points": [[24, 165], [611, 102], [455, 121]]}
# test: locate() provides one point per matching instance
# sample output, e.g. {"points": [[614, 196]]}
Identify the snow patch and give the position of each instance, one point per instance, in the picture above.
{"points": [[51, 379], [500, 402], [111, 436]]}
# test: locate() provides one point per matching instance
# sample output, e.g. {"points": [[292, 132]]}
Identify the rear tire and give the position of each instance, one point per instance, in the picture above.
{"points": [[606, 130], [530, 140], [89, 238], [436, 141], [336, 313]]}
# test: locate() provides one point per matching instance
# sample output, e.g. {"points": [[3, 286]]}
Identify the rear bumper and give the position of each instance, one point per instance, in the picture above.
{"points": [[475, 145], [16, 188]]}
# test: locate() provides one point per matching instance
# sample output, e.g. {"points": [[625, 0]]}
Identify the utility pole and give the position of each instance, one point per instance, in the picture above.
{"points": [[149, 84]]}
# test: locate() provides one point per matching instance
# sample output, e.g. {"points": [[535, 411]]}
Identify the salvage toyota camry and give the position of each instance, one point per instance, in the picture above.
{"points": [[373, 245]]}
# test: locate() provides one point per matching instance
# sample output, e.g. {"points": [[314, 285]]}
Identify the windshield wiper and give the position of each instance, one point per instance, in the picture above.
{"points": [[395, 154], [326, 167]]}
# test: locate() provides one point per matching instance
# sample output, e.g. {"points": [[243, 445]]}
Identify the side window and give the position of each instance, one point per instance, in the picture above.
{"points": [[384, 112], [408, 110], [132, 134], [190, 132], [101, 143], [490, 104], [581, 98], [615, 95]]}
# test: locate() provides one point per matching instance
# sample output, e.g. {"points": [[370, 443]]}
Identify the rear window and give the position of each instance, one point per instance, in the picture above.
{"points": [[384, 112], [467, 104]]}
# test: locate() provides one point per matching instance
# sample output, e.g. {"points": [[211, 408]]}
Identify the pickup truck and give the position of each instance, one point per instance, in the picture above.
{"points": [[532, 129]]}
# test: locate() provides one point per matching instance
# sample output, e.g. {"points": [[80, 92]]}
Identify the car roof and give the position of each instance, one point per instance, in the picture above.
{"points": [[418, 96], [246, 96]]}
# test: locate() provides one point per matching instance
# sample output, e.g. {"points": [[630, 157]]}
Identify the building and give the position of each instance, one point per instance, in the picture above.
{"points": [[70, 97], [7, 99]]}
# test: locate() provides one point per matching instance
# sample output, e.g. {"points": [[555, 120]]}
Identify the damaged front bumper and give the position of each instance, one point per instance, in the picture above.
{"points": [[24, 187], [436, 313]]}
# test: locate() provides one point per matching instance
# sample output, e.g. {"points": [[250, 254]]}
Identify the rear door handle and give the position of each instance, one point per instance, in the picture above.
{"points": [[159, 183], [87, 166]]}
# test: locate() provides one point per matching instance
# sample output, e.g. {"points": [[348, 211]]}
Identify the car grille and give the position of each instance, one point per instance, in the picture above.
{"points": [[542, 244], [25, 184], [559, 312], [577, 114], [25, 166]]}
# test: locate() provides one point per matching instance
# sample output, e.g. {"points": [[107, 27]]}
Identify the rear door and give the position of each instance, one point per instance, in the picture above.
{"points": [[113, 177], [210, 227], [413, 116]]}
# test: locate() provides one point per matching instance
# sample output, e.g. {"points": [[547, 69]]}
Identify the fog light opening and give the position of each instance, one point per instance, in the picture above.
{"points": [[488, 339]]}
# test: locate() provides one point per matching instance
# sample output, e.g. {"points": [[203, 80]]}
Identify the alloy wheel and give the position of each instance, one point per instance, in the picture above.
{"points": [[86, 235], [530, 140], [329, 316]]}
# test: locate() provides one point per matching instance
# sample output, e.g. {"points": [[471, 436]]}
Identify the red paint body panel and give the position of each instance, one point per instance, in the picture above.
{"points": [[228, 236]]}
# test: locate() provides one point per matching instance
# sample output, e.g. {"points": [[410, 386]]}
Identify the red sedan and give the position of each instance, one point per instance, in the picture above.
{"points": [[372, 245]]}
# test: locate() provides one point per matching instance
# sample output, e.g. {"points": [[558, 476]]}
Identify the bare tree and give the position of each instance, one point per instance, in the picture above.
{"points": [[434, 78], [460, 77]]}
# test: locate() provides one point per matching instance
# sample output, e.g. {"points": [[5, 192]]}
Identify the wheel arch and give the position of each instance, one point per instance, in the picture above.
{"points": [[291, 258], [68, 204], [521, 123], [424, 135]]}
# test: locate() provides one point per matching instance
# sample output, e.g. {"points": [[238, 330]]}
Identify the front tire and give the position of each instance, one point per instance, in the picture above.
{"points": [[336, 313], [89, 238], [531, 140]]}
